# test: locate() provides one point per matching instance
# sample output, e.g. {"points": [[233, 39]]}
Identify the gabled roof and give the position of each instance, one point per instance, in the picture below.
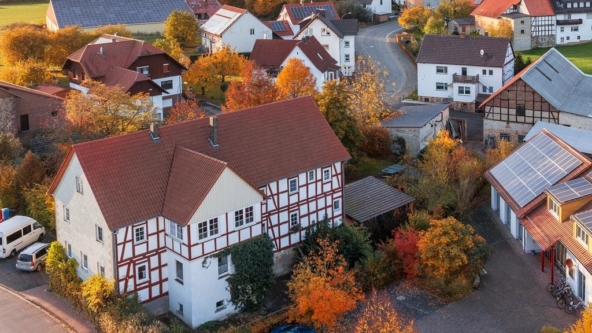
{"points": [[204, 6], [579, 139], [463, 50], [495, 8], [348, 27], [299, 11], [523, 176], [53, 89], [23, 92], [465, 20], [280, 28], [93, 13], [224, 18], [370, 197], [128, 174], [125, 78], [98, 57], [414, 116], [271, 53], [558, 81], [317, 54], [539, 7]]}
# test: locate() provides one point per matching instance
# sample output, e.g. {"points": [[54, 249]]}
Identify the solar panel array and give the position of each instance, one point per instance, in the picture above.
{"points": [[302, 12], [585, 218], [533, 168], [573, 189], [278, 26]]}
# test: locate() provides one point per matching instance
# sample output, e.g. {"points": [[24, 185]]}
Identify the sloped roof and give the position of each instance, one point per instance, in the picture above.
{"points": [[271, 53], [463, 50], [126, 78], [414, 116], [223, 19], [494, 8], [317, 54], [348, 27], [23, 92], [128, 174], [539, 7], [93, 13], [299, 11], [53, 89], [280, 28], [579, 139], [370, 197], [204, 6], [465, 20]]}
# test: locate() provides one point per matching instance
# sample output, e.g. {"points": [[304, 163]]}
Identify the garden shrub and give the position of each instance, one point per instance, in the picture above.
{"points": [[377, 143], [419, 220], [377, 271], [62, 273], [98, 293], [406, 245]]}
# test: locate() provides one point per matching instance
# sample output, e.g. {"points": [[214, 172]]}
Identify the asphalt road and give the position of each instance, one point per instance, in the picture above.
{"points": [[19, 280], [377, 41], [18, 315]]}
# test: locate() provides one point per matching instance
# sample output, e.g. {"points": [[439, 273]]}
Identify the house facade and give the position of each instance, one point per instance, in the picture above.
{"points": [[552, 90], [134, 65], [542, 192], [235, 27], [294, 13], [574, 21], [153, 214], [462, 69]]}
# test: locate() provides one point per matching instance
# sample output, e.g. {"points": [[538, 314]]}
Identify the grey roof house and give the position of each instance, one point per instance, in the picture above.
{"points": [[145, 16]]}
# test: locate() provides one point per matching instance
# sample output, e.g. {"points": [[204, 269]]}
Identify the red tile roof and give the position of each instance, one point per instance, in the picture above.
{"points": [[128, 174], [317, 54], [285, 28], [311, 7], [126, 78], [53, 89], [494, 8], [209, 7], [539, 7]]}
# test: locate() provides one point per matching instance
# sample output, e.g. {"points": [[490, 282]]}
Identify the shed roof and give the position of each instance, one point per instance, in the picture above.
{"points": [[463, 50], [415, 115], [371, 197]]}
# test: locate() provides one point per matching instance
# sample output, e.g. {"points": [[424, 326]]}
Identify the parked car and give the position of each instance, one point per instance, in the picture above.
{"points": [[18, 232], [33, 257], [293, 328]]}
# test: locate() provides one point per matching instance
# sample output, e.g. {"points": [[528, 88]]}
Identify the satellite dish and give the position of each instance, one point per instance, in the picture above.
{"points": [[481, 52]]}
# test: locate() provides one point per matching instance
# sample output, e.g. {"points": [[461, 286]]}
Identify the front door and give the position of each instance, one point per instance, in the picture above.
{"points": [[581, 286]]}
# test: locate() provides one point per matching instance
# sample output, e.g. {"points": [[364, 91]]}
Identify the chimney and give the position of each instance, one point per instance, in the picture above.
{"points": [[154, 135], [214, 132]]}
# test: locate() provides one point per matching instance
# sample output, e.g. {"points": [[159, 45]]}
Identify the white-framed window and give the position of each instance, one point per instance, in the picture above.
{"points": [[78, 184], [208, 228], [464, 90], [84, 259], [485, 72], [220, 305], [325, 32], [575, 28], [294, 219], [166, 84], [222, 265], [99, 233], [491, 72], [441, 86], [308, 32], [140, 234], [66, 213], [249, 218], [567, 38], [347, 57], [441, 70], [484, 89], [165, 68], [326, 46], [101, 269], [326, 174], [179, 271], [293, 185], [336, 205], [346, 44], [252, 31], [561, 29], [144, 70], [243, 216], [142, 272], [176, 230], [554, 207], [581, 235], [69, 250], [311, 175], [490, 89]]}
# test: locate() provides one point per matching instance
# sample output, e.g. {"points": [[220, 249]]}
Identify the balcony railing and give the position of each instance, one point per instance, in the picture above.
{"points": [[465, 78], [569, 22]]}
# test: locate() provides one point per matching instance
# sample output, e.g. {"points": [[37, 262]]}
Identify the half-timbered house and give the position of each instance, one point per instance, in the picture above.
{"points": [[552, 89], [150, 209]]}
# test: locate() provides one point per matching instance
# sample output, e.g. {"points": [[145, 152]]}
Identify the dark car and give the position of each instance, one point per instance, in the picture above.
{"points": [[293, 328]]}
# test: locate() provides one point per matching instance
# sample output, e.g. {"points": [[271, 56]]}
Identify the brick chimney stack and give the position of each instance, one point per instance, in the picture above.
{"points": [[214, 132]]}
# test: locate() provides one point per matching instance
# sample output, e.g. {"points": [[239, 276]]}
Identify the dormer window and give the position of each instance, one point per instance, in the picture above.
{"points": [[144, 70], [554, 207], [582, 235]]}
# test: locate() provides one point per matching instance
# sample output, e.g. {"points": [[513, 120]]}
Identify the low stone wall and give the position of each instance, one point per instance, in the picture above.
{"points": [[409, 55]]}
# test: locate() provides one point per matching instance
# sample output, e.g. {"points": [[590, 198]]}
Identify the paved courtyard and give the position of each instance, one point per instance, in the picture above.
{"points": [[512, 296]]}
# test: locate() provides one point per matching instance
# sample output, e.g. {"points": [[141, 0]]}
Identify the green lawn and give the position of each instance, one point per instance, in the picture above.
{"points": [[580, 55], [28, 12]]}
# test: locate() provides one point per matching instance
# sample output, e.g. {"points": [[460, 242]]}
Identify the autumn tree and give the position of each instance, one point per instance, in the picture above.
{"points": [[30, 171], [23, 43], [98, 293], [202, 75], [467, 170], [40, 205], [10, 147], [406, 240], [183, 111], [498, 153], [435, 25], [111, 29], [64, 42], [334, 103], [172, 48], [584, 324], [321, 287], [296, 80], [255, 88], [378, 315], [368, 96], [502, 28], [264, 8], [451, 251], [9, 192], [107, 111], [415, 17], [182, 27], [377, 141], [25, 73], [454, 9]]}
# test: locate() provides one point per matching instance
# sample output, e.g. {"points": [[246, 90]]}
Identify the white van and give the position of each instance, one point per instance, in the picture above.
{"points": [[18, 232]]}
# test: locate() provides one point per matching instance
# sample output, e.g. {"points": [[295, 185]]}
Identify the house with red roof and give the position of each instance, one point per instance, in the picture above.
{"points": [[152, 210], [233, 26], [204, 9], [294, 13], [533, 21], [29, 109], [273, 54], [131, 64], [542, 193]]}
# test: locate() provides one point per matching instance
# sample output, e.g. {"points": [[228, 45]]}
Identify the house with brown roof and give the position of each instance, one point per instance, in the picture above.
{"points": [[462, 69], [273, 54], [542, 192], [294, 13], [29, 109], [204, 9], [131, 64], [233, 26], [551, 89], [533, 21], [152, 209]]}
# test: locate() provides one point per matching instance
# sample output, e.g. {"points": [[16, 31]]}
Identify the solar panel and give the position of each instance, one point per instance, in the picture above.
{"points": [[305, 11], [573, 189], [585, 218], [278, 26], [534, 167]]}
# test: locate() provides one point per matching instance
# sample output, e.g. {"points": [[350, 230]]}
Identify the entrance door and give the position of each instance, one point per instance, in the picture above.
{"points": [[581, 286], [508, 215], [24, 122], [464, 71]]}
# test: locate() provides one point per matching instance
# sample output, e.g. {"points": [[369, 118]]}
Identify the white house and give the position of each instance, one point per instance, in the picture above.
{"points": [[574, 21], [336, 36], [380, 9], [235, 27], [462, 69], [273, 54], [151, 209], [294, 13], [542, 192]]}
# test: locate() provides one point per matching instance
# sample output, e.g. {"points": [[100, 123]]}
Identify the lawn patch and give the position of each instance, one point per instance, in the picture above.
{"points": [[28, 12], [578, 54]]}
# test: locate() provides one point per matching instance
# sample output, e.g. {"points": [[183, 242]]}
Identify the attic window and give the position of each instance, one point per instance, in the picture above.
{"points": [[554, 207], [165, 68], [144, 70], [325, 32], [581, 235]]}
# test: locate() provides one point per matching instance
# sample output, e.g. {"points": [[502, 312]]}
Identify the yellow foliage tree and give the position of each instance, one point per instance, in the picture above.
{"points": [[98, 292], [256, 88], [322, 288], [63, 43], [183, 111], [227, 62], [501, 151], [379, 316], [25, 73], [112, 29], [368, 97], [264, 8], [172, 48], [503, 28], [295, 80], [584, 324], [435, 25], [182, 27], [454, 9], [201, 74], [415, 17], [23, 43]]}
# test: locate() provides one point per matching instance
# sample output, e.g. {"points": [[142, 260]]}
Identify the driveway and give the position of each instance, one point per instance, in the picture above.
{"points": [[377, 41], [19, 315], [19, 280]]}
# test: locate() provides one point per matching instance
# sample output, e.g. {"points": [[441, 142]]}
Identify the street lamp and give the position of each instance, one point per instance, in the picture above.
{"points": [[344, 15]]}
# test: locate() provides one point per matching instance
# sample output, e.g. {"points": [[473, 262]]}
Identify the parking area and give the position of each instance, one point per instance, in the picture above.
{"points": [[19, 280]]}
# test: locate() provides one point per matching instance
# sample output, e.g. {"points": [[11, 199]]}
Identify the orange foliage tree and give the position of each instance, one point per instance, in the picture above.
{"points": [[406, 245], [296, 80], [584, 324], [256, 88], [322, 288], [379, 316], [183, 111]]}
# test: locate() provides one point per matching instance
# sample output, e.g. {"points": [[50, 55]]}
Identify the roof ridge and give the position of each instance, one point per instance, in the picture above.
{"points": [[27, 89]]}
